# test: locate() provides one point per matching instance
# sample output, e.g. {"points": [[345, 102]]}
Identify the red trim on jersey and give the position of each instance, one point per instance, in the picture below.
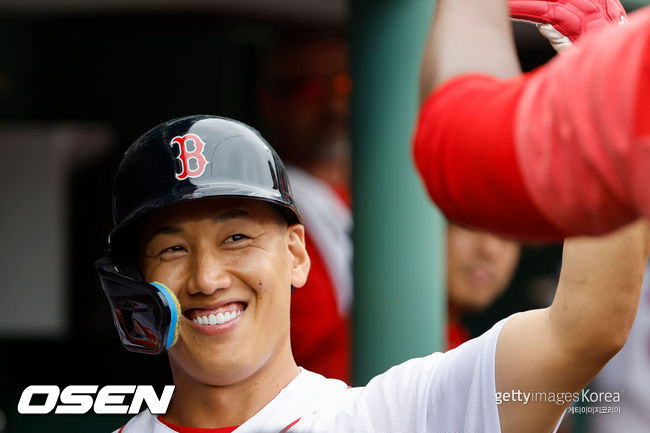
{"points": [[457, 334], [122, 428], [465, 152], [344, 193], [284, 430], [182, 429]]}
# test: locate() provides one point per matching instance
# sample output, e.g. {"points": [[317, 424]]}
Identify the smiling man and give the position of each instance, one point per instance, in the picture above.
{"points": [[233, 258], [206, 249], [204, 212]]}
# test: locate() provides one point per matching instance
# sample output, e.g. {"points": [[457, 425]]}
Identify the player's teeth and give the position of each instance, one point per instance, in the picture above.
{"points": [[216, 319]]}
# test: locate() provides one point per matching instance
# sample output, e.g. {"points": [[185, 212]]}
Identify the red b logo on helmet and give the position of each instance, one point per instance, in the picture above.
{"points": [[189, 163]]}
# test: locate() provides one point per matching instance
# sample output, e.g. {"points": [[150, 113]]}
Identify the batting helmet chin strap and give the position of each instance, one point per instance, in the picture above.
{"points": [[146, 315]]}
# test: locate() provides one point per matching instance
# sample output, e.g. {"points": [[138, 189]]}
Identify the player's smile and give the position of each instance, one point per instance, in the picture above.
{"points": [[216, 319], [479, 276]]}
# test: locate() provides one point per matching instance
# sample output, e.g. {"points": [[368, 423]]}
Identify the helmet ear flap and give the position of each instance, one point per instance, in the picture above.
{"points": [[147, 316]]}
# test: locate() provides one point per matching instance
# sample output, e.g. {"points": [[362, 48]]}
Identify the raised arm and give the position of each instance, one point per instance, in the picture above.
{"points": [[468, 36], [559, 349], [553, 153]]}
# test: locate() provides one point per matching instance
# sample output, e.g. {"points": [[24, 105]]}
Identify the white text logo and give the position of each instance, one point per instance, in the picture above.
{"points": [[79, 399]]}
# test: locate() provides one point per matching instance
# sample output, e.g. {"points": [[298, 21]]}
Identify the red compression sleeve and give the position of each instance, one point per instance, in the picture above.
{"points": [[464, 150], [559, 152], [575, 131]]}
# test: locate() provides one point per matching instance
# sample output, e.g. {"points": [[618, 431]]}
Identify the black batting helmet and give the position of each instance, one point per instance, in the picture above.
{"points": [[184, 159]]}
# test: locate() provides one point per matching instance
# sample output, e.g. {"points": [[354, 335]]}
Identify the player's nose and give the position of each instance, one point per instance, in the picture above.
{"points": [[491, 245], [208, 274]]}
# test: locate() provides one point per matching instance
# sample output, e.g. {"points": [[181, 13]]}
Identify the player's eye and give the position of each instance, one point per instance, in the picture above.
{"points": [[172, 250], [235, 238]]}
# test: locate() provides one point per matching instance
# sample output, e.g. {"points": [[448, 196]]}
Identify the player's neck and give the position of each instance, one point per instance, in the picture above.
{"points": [[453, 313], [197, 404]]}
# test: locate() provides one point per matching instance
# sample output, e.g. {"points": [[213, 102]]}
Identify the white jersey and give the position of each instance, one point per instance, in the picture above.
{"points": [[452, 392]]}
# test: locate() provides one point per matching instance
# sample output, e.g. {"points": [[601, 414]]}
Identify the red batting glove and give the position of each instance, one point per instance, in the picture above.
{"points": [[562, 22]]}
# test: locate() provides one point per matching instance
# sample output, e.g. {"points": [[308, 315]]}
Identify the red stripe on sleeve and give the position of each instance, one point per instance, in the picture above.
{"points": [[284, 430]]}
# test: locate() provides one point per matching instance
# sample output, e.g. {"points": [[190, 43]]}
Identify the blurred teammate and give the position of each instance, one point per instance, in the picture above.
{"points": [[305, 100], [480, 266]]}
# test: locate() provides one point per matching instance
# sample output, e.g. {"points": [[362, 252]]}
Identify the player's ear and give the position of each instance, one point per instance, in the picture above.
{"points": [[300, 262]]}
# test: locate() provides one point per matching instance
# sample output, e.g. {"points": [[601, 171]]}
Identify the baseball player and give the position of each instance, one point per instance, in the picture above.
{"points": [[205, 253], [479, 268], [563, 149]]}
